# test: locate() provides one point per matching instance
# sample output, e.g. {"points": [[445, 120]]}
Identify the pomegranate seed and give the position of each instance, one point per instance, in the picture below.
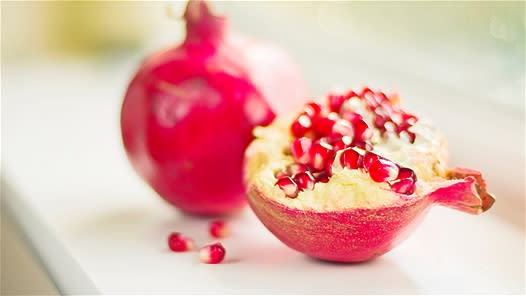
{"points": [[301, 126], [383, 170], [351, 94], [351, 116], [304, 180], [404, 173], [341, 143], [408, 136], [300, 150], [362, 131], [281, 174], [212, 254], [323, 125], [351, 159], [289, 187], [368, 159], [389, 126], [379, 122], [335, 102], [343, 128], [404, 186], [312, 109], [322, 177], [219, 229], [365, 91], [321, 155], [296, 168], [362, 145], [179, 243]]}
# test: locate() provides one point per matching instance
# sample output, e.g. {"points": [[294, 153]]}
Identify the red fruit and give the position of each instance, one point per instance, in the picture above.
{"points": [[300, 150], [383, 170], [343, 128], [301, 126], [336, 226], [179, 243], [351, 159], [321, 155], [368, 159], [312, 109], [341, 143], [190, 110], [323, 125], [362, 132], [212, 254], [296, 168], [404, 186], [335, 102], [289, 187], [305, 181], [404, 173], [219, 229]]}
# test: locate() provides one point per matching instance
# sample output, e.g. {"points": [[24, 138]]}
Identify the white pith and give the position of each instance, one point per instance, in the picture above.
{"points": [[346, 188]]}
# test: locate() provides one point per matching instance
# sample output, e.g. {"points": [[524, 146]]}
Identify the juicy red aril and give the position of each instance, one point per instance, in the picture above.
{"points": [[179, 243], [212, 254], [362, 145], [300, 150], [343, 128], [296, 168], [288, 186], [312, 109], [351, 159], [341, 143], [383, 170], [301, 125], [404, 186], [351, 116], [218, 229], [321, 155], [362, 131], [304, 180], [323, 125], [322, 177], [281, 174], [407, 136], [335, 102], [368, 159], [404, 173]]}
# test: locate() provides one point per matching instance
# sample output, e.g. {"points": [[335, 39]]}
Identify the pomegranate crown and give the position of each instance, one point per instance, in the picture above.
{"points": [[201, 24]]}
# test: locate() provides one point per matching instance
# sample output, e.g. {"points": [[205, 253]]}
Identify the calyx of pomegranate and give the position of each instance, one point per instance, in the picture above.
{"points": [[360, 149]]}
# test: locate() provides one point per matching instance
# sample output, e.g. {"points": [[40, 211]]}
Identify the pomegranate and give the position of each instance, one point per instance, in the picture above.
{"points": [[367, 192], [212, 254], [189, 111], [179, 243]]}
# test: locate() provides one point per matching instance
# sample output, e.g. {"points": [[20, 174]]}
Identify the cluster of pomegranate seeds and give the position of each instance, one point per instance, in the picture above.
{"points": [[210, 254], [320, 131]]}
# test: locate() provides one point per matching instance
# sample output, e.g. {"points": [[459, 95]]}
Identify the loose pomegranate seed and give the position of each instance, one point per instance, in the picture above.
{"points": [[312, 109], [212, 254], [404, 173], [368, 159], [296, 168], [300, 148], [301, 125], [179, 243], [335, 102], [362, 131], [305, 180], [343, 128], [289, 187], [219, 229], [323, 125], [351, 159], [321, 155], [404, 186], [383, 170]]}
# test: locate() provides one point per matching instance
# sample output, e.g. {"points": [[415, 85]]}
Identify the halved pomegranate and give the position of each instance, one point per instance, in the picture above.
{"points": [[370, 171]]}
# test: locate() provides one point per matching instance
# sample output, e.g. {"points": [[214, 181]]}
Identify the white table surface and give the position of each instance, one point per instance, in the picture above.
{"points": [[99, 229]]}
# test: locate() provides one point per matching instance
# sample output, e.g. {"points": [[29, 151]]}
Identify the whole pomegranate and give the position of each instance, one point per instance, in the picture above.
{"points": [[188, 113], [348, 179]]}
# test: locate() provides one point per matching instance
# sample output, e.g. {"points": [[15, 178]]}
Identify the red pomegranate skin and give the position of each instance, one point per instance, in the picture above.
{"points": [[189, 111], [362, 234]]}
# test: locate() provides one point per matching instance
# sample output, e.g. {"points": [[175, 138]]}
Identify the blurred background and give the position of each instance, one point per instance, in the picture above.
{"points": [[444, 58]]}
